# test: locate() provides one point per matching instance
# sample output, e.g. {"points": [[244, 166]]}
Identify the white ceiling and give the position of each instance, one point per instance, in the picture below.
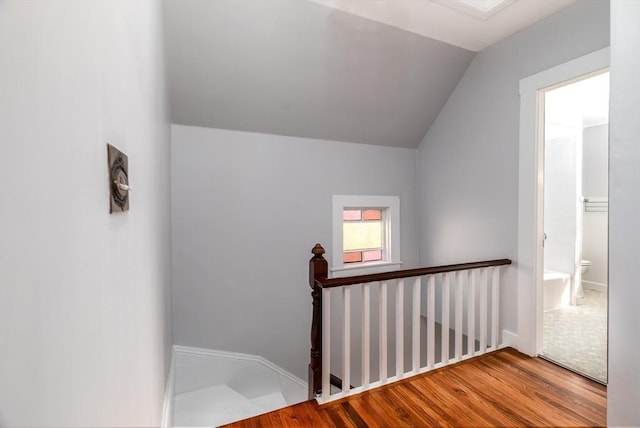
{"points": [[453, 21]]}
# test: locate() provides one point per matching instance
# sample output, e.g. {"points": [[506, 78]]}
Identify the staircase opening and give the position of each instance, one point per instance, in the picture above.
{"points": [[213, 388]]}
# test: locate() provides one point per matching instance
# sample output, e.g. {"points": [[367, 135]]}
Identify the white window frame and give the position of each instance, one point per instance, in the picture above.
{"points": [[391, 253]]}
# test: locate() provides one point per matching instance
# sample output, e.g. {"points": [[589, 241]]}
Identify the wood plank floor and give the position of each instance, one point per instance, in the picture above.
{"points": [[503, 388]]}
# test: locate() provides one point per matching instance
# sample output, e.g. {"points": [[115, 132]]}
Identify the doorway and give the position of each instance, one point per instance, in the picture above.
{"points": [[575, 225], [528, 337]]}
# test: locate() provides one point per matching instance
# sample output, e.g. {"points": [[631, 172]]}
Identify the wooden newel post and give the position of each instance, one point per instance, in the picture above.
{"points": [[318, 268]]}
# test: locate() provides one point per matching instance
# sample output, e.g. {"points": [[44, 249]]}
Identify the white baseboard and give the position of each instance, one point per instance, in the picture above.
{"points": [[597, 286], [189, 350], [167, 406], [509, 339]]}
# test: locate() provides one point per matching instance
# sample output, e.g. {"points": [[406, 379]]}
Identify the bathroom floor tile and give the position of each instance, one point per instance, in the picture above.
{"points": [[576, 337]]}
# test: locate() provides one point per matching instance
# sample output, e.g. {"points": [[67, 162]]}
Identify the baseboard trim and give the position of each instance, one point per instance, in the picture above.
{"points": [[597, 286], [509, 338], [189, 350], [167, 405]]}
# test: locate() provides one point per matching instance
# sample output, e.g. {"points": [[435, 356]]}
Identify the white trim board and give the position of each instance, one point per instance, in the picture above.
{"points": [[530, 231], [509, 338]]}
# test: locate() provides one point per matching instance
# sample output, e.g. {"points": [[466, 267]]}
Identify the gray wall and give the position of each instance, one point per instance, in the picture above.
{"points": [[84, 296], [468, 161], [247, 209], [623, 391]]}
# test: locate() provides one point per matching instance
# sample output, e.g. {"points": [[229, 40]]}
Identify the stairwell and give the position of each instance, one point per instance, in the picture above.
{"points": [[212, 388]]}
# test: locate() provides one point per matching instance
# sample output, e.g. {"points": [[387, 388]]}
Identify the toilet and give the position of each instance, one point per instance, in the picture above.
{"points": [[584, 266]]}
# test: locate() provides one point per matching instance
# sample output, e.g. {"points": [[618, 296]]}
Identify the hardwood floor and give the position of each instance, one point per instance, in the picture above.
{"points": [[504, 388]]}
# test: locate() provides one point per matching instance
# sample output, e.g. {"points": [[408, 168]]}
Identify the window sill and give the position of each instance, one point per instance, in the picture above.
{"points": [[365, 269]]}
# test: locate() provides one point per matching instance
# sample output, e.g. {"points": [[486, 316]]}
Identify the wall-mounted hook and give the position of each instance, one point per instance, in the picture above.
{"points": [[119, 179]]}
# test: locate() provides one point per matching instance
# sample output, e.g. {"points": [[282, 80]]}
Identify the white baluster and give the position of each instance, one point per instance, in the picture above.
{"points": [[458, 314], [400, 329], [346, 339], [366, 333], [470, 285], [415, 328], [326, 343], [495, 307], [382, 316], [471, 313], [444, 331], [431, 321], [483, 311]]}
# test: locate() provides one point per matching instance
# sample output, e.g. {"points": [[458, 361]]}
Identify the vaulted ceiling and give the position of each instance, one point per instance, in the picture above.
{"points": [[341, 70]]}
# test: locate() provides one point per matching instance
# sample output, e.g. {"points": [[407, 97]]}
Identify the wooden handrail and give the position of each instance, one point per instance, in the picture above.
{"points": [[405, 273], [318, 273]]}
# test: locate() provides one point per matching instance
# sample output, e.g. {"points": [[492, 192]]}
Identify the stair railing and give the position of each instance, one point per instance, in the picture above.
{"points": [[468, 324]]}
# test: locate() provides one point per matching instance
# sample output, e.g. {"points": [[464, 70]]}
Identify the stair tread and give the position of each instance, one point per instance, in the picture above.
{"points": [[214, 399], [272, 401], [220, 404]]}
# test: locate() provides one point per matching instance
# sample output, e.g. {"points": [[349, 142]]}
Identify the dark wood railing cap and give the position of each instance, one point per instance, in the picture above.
{"points": [[317, 251], [325, 282]]}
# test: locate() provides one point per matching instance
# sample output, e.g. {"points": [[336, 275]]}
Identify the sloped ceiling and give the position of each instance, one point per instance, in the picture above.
{"points": [[297, 68], [363, 71]]}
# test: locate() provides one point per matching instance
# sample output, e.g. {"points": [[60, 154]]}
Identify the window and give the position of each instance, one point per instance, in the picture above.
{"points": [[362, 235], [365, 234]]}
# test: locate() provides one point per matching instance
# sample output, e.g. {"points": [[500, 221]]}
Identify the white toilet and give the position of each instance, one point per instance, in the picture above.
{"points": [[584, 266]]}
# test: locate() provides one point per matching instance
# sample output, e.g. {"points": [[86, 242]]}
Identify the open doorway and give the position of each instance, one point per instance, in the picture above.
{"points": [[575, 224]]}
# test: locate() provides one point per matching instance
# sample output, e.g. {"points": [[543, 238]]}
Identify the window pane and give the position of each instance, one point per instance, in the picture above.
{"points": [[351, 215], [353, 257], [372, 214], [362, 235], [371, 256]]}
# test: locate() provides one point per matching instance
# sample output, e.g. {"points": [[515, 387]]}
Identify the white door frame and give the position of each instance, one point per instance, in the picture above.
{"points": [[530, 191]]}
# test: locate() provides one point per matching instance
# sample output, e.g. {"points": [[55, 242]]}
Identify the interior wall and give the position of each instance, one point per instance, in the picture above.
{"points": [[85, 333], [247, 209], [468, 161], [595, 184], [623, 390], [561, 196]]}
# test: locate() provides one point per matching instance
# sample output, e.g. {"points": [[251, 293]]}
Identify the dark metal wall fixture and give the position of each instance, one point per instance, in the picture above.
{"points": [[118, 180]]}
